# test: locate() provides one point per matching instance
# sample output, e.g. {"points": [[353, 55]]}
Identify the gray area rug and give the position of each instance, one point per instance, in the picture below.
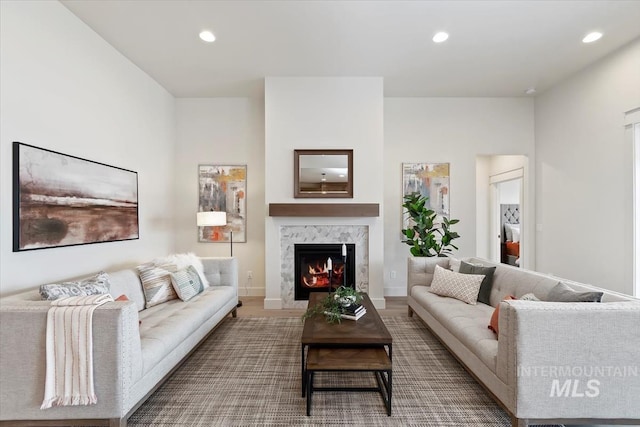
{"points": [[247, 373]]}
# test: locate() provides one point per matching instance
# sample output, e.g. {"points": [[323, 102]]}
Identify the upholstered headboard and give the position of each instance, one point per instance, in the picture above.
{"points": [[509, 214]]}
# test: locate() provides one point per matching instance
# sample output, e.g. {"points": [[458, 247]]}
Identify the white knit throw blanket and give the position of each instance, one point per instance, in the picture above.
{"points": [[69, 377]]}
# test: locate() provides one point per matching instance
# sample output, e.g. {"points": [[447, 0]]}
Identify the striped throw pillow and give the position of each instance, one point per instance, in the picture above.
{"points": [[156, 283], [187, 283]]}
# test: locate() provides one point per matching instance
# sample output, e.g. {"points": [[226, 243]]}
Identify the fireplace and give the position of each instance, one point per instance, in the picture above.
{"points": [[310, 268]]}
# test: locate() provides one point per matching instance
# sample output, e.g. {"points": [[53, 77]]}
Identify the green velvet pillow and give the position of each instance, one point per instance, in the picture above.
{"points": [[487, 282]]}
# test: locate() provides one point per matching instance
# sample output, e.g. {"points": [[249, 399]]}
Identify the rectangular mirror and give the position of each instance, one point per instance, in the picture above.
{"points": [[323, 174]]}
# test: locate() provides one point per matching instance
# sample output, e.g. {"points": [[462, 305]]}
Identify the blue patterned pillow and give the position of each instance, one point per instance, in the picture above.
{"points": [[95, 285], [187, 283]]}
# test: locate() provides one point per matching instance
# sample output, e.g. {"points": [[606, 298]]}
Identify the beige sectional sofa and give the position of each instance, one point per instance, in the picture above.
{"points": [[131, 359], [574, 363]]}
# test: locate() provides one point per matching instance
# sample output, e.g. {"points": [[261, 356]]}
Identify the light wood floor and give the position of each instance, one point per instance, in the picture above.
{"points": [[254, 307]]}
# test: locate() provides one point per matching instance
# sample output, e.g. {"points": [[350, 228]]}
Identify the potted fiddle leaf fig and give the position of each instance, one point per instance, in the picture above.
{"points": [[428, 235]]}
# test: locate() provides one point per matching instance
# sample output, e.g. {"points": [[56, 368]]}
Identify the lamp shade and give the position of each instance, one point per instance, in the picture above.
{"points": [[211, 219]]}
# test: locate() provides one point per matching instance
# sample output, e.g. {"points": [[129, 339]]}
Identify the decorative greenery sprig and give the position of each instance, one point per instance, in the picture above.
{"points": [[427, 237], [333, 304]]}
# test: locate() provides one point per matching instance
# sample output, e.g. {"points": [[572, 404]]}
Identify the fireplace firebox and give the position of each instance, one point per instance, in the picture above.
{"points": [[312, 274]]}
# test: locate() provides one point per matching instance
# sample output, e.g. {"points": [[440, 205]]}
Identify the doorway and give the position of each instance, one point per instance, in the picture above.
{"points": [[507, 217], [504, 180]]}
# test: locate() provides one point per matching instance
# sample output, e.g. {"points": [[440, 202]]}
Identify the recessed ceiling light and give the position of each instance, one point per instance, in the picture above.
{"points": [[591, 37], [530, 91], [440, 37], [207, 36]]}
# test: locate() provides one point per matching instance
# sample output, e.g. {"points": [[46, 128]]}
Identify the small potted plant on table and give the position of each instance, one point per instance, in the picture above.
{"points": [[334, 305]]}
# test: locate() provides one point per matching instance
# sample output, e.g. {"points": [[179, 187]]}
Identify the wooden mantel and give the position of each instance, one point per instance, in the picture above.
{"points": [[325, 209]]}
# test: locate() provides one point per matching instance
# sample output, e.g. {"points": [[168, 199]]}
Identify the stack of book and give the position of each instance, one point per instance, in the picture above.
{"points": [[353, 312]]}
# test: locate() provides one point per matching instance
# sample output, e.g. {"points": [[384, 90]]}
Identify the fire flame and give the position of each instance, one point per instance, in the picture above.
{"points": [[318, 275]]}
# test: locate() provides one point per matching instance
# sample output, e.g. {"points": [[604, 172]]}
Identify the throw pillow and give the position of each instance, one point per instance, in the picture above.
{"points": [[187, 283], [515, 231], [95, 285], [183, 261], [156, 283], [463, 287], [563, 293], [508, 233], [485, 288], [529, 297], [493, 324]]}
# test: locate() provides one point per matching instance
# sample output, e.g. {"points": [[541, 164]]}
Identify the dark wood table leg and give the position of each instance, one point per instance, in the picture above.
{"points": [[304, 372], [309, 391], [389, 393]]}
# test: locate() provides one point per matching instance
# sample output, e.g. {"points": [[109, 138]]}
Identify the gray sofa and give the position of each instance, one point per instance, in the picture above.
{"points": [[574, 363], [131, 359]]}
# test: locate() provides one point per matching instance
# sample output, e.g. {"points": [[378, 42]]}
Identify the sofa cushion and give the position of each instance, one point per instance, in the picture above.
{"points": [[468, 323], [563, 293], [485, 288], [127, 282], [454, 264], [165, 326], [463, 287], [509, 280], [95, 285]]}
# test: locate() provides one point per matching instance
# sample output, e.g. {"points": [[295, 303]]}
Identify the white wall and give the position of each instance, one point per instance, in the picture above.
{"points": [[454, 130], [510, 192], [222, 131], [324, 112], [64, 88], [584, 173]]}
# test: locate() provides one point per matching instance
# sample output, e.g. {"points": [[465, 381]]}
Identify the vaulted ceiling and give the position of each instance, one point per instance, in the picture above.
{"points": [[495, 48]]}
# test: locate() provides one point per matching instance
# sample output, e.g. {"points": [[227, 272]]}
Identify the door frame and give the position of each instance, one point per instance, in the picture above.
{"points": [[494, 215]]}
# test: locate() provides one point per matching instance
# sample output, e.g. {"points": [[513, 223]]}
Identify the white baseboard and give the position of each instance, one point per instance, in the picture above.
{"points": [[272, 303], [251, 291], [395, 292], [379, 303]]}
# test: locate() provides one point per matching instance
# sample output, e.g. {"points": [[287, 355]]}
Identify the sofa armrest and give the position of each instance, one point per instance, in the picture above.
{"points": [[116, 355], [571, 360], [420, 270]]}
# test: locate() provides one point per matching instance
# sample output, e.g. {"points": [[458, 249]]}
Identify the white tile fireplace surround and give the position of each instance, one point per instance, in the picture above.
{"points": [[291, 235]]}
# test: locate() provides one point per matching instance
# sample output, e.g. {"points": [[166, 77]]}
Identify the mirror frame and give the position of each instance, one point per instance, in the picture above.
{"points": [[296, 174]]}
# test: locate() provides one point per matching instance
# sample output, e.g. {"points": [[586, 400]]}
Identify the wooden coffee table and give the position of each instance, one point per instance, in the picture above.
{"points": [[363, 345]]}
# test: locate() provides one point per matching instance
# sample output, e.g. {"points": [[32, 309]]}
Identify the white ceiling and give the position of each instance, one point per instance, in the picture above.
{"points": [[496, 48]]}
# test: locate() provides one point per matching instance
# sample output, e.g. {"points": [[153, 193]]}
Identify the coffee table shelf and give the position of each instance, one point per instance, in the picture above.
{"points": [[363, 359]]}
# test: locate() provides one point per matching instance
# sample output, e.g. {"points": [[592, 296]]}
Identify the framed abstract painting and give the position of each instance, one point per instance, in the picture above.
{"points": [[63, 200], [223, 188], [430, 180]]}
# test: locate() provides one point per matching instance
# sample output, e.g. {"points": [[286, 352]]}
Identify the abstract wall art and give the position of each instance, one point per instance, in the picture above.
{"points": [[223, 188], [63, 200], [430, 180]]}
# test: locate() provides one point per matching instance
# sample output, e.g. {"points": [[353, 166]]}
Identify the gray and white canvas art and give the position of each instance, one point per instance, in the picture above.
{"points": [[62, 200]]}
